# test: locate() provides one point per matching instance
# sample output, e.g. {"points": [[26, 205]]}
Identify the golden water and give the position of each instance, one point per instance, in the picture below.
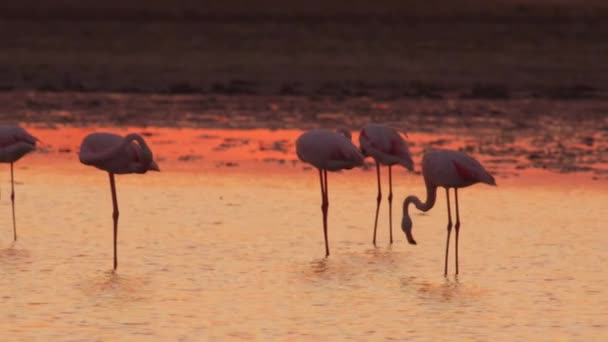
{"points": [[215, 253]]}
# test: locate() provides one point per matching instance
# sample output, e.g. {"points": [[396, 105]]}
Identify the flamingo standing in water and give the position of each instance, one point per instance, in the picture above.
{"points": [[327, 151], [15, 142], [387, 147], [117, 155], [448, 169]]}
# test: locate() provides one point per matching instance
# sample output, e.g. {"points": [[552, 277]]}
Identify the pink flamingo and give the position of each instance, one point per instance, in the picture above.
{"points": [[117, 155], [15, 142], [327, 151], [387, 147], [448, 169]]}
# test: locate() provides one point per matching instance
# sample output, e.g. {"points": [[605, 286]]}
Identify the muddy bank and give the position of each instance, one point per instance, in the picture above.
{"points": [[509, 135], [500, 52]]}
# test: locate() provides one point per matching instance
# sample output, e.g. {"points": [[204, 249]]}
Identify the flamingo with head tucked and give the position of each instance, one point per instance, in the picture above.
{"points": [[15, 142], [327, 151], [117, 155], [447, 169], [387, 147]]}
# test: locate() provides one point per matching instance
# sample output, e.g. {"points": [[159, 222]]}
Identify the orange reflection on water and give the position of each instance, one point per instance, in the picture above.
{"points": [[261, 150], [203, 254], [221, 147]]}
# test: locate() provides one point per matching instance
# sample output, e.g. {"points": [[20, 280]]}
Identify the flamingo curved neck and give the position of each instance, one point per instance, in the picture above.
{"points": [[146, 153], [431, 197]]}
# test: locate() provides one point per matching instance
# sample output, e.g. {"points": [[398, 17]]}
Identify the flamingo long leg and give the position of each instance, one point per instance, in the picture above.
{"points": [[378, 200], [13, 203], [447, 244], [324, 206], [457, 226], [115, 214], [390, 203]]}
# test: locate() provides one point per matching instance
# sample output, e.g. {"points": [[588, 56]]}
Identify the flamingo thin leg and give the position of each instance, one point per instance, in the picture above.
{"points": [[390, 203], [457, 227], [115, 214], [325, 208], [13, 203], [378, 200], [447, 244]]}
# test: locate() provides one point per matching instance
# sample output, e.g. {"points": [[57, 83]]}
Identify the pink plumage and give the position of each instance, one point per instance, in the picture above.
{"points": [[453, 169], [447, 169], [15, 142], [117, 155], [387, 147], [327, 151]]}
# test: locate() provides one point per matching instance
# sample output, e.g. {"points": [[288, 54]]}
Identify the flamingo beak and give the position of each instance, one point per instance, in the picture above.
{"points": [[410, 237], [153, 167]]}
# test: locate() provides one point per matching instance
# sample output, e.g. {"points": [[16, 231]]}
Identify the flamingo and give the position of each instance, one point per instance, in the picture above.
{"points": [[15, 142], [117, 155], [327, 151], [387, 147], [448, 169]]}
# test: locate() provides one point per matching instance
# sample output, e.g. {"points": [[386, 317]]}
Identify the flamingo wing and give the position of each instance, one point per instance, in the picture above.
{"points": [[454, 169], [15, 142], [328, 150], [386, 145]]}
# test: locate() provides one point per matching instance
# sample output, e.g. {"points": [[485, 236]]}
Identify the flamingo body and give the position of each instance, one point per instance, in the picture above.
{"points": [[453, 169], [450, 170], [117, 155], [15, 142], [387, 147], [327, 151]]}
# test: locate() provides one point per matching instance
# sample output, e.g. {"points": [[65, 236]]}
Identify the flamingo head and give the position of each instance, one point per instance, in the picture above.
{"points": [[345, 133], [153, 166], [407, 162], [406, 225], [23, 136]]}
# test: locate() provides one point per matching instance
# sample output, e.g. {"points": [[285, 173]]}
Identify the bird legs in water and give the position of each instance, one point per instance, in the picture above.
{"points": [[13, 203], [114, 217], [456, 227], [390, 202], [378, 200], [324, 206]]}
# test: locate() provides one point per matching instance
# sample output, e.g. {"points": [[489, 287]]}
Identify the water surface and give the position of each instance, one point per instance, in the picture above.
{"points": [[209, 251]]}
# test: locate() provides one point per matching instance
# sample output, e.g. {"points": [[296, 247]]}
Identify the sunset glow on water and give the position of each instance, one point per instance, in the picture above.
{"points": [[226, 241]]}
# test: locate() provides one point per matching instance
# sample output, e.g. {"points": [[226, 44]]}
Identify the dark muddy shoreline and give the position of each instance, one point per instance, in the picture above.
{"points": [[510, 135]]}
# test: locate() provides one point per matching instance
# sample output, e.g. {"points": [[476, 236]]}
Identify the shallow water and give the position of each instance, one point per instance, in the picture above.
{"points": [[210, 252]]}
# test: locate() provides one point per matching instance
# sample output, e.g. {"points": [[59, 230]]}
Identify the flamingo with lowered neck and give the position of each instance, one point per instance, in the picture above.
{"points": [[447, 169], [387, 147]]}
